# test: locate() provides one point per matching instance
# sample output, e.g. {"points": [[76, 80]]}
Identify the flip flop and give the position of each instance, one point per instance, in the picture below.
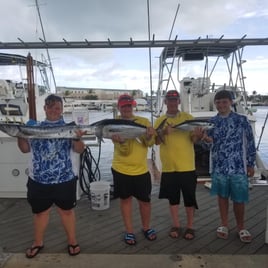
{"points": [[189, 234], [33, 251], [175, 232], [245, 236], [222, 232], [130, 239], [150, 234], [71, 249]]}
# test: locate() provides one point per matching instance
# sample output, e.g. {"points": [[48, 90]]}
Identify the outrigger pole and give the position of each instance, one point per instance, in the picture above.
{"points": [[44, 37], [150, 58]]}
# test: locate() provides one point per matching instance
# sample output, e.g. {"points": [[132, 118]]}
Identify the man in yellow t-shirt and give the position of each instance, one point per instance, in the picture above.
{"points": [[130, 172], [178, 164]]}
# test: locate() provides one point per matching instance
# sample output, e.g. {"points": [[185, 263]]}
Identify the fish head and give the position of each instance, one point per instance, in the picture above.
{"points": [[10, 129], [99, 133]]}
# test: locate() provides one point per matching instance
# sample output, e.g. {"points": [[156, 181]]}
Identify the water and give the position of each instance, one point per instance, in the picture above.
{"points": [[106, 154]]}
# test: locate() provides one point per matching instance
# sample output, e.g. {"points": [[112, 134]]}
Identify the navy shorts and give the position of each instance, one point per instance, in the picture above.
{"points": [[139, 186], [174, 183], [42, 196]]}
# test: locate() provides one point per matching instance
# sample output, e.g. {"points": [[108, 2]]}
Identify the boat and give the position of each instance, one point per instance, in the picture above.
{"points": [[197, 93], [141, 105], [14, 108], [249, 107]]}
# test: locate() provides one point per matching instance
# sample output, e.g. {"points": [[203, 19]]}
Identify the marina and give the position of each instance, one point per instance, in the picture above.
{"points": [[100, 231]]}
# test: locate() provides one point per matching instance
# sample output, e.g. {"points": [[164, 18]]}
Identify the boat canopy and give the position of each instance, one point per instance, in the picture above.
{"points": [[199, 48], [13, 59]]}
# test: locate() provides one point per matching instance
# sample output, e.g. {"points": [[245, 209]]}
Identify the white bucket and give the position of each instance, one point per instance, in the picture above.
{"points": [[100, 195]]}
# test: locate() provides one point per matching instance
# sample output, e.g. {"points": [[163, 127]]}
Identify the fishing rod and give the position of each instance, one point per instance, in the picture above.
{"points": [[262, 130]]}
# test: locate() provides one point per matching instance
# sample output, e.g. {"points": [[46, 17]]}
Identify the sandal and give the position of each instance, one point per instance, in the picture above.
{"points": [[175, 232], [222, 232], [130, 239], [245, 236], [33, 251], [150, 234], [189, 234], [72, 248]]}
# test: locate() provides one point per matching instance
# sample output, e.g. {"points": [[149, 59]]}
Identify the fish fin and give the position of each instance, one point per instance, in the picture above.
{"points": [[138, 140], [71, 124], [161, 125]]}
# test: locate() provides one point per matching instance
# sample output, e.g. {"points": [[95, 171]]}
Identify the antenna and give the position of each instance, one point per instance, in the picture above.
{"points": [[44, 39]]}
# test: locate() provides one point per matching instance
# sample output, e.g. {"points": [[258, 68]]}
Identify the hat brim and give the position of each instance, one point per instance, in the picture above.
{"points": [[172, 98], [124, 103]]}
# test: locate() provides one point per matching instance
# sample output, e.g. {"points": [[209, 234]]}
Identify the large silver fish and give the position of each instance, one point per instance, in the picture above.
{"points": [[126, 129], [67, 131], [190, 125]]}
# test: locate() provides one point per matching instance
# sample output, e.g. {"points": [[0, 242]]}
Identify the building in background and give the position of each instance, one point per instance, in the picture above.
{"points": [[96, 93]]}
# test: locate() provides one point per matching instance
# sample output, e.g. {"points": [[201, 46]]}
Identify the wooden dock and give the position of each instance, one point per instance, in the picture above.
{"points": [[101, 232]]}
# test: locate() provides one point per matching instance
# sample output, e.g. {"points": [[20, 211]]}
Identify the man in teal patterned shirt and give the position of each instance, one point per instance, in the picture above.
{"points": [[233, 156]]}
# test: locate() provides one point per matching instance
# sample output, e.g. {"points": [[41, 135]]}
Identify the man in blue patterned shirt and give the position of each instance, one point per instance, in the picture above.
{"points": [[232, 157], [51, 178]]}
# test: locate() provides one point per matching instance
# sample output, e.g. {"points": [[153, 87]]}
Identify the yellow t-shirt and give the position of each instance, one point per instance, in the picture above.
{"points": [[177, 150], [130, 157]]}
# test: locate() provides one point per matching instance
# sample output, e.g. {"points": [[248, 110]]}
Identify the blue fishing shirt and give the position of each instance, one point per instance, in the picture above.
{"points": [[233, 147], [51, 158]]}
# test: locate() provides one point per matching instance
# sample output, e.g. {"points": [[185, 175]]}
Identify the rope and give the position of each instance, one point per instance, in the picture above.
{"points": [[89, 170]]}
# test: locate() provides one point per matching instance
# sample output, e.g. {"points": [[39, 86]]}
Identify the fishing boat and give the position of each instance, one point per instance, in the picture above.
{"points": [[14, 108], [197, 93], [18, 104], [251, 108]]}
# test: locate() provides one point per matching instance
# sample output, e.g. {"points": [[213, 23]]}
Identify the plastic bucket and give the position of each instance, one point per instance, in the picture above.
{"points": [[100, 195]]}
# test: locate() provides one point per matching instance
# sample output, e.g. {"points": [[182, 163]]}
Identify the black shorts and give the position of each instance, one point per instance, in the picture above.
{"points": [[172, 183], [42, 196], [139, 186]]}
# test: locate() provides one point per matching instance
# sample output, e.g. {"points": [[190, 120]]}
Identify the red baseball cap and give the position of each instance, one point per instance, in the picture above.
{"points": [[172, 94], [125, 99]]}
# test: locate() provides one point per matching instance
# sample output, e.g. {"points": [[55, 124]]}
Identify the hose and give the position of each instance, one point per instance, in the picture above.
{"points": [[89, 170]]}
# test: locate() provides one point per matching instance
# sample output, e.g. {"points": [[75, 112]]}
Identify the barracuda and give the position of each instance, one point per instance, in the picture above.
{"points": [[127, 129], [67, 131]]}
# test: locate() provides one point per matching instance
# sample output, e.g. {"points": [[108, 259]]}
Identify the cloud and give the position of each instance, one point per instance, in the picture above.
{"points": [[120, 20]]}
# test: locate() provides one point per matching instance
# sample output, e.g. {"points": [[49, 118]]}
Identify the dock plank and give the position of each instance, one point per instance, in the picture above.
{"points": [[101, 232]]}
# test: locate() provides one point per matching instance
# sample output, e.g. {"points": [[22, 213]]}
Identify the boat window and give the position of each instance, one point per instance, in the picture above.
{"points": [[10, 109], [193, 56]]}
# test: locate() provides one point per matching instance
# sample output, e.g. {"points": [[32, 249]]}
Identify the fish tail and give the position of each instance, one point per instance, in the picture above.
{"points": [[161, 125], [159, 130]]}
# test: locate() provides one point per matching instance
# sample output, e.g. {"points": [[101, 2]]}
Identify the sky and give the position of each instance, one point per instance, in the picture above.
{"points": [[120, 20]]}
